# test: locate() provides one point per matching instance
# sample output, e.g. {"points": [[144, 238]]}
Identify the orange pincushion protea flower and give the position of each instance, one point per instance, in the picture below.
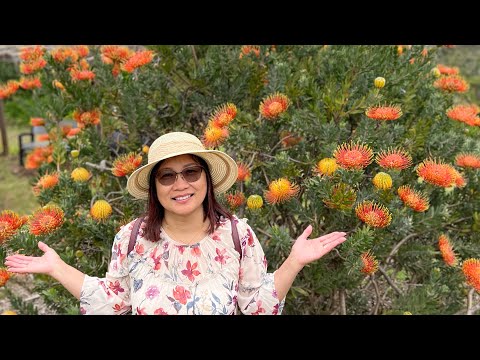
{"points": [[383, 113], [10, 222], [31, 53], [8, 89], [126, 164], [86, 118], [79, 75], [4, 276], [468, 160], [274, 105], [281, 190], [82, 50], [235, 200], [452, 83], [214, 136], [32, 67], [37, 121], [243, 172], [373, 214], [446, 70], [47, 181], [459, 179], [101, 210], [61, 54], [326, 166], [30, 83], [370, 264], [413, 199], [382, 181], [73, 132], [137, 60], [249, 49], [396, 159], [43, 137], [80, 174], [254, 202], [45, 220], [115, 54], [437, 173], [39, 156], [353, 155], [446, 250], [223, 115], [471, 270], [465, 113]]}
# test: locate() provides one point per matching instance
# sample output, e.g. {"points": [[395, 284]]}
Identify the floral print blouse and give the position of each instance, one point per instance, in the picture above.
{"points": [[168, 277]]}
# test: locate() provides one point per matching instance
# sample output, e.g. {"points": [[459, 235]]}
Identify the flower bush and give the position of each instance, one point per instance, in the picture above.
{"points": [[320, 137]]}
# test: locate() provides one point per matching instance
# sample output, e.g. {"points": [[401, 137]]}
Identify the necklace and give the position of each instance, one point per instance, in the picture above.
{"points": [[192, 240]]}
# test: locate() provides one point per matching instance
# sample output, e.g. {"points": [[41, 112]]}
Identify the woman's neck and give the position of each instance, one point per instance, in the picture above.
{"points": [[184, 223]]}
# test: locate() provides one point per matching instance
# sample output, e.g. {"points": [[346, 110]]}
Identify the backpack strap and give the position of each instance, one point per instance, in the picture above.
{"points": [[134, 234], [235, 237]]}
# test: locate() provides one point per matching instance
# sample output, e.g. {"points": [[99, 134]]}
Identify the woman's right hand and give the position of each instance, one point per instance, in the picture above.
{"points": [[45, 264]]}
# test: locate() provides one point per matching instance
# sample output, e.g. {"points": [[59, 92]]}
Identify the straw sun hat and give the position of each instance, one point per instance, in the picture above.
{"points": [[223, 168]]}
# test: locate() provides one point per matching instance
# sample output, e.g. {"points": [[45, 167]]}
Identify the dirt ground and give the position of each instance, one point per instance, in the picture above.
{"points": [[22, 286]]}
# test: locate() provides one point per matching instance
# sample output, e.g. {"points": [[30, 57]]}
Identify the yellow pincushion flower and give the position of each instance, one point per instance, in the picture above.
{"points": [[145, 149], [326, 166], [254, 202], [80, 174], [382, 181], [101, 210], [379, 82], [9, 312]]}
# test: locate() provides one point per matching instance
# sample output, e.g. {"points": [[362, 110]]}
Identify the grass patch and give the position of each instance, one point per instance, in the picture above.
{"points": [[15, 182]]}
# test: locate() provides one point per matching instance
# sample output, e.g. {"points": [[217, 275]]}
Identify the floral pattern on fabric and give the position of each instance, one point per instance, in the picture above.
{"points": [[170, 278]]}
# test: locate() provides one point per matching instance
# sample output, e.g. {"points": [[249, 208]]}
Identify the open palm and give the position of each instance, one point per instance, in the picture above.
{"points": [[33, 264], [306, 250]]}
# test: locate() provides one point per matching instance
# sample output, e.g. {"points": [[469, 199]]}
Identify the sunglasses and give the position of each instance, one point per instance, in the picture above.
{"points": [[168, 177]]}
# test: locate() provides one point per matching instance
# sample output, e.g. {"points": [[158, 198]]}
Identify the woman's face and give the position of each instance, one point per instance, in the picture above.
{"points": [[181, 197]]}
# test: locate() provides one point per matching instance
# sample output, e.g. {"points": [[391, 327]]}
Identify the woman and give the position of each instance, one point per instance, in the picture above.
{"points": [[184, 260]]}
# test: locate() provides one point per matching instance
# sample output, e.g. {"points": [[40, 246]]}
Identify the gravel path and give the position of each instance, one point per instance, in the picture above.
{"points": [[22, 286]]}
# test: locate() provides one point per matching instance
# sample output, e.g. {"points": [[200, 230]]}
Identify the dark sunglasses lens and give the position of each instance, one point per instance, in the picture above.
{"points": [[166, 177], [192, 174]]}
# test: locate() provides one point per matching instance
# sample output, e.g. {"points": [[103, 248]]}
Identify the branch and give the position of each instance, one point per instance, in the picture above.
{"points": [[263, 232], [278, 143], [343, 306], [392, 284], [377, 294], [195, 59], [102, 166], [470, 310], [397, 246]]}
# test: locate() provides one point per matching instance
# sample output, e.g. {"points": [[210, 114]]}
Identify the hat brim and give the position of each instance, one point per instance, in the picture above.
{"points": [[223, 170]]}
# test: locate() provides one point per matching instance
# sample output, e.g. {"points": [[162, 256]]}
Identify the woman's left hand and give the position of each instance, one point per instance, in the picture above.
{"points": [[306, 250]]}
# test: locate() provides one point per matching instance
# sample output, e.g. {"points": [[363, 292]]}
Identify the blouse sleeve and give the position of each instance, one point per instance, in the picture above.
{"points": [[256, 293], [110, 295]]}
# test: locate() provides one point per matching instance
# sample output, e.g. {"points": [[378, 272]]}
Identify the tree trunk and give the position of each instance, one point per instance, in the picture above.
{"points": [[3, 130]]}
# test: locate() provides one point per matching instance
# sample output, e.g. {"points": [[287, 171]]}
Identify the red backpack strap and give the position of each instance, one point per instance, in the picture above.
{"points": [[134, 234], [235, 237]]}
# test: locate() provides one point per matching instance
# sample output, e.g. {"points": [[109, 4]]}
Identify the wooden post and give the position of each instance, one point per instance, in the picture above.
{"points": [[3, 130]]}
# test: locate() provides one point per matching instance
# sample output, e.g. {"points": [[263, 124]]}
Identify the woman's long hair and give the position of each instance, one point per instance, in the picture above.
{"points": [[155, 211]]}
